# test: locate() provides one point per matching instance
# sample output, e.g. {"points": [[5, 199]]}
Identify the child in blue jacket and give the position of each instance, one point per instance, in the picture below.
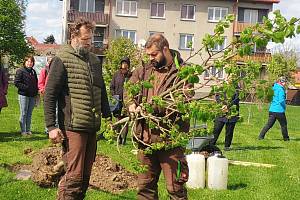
{"points": [[277, 110]]}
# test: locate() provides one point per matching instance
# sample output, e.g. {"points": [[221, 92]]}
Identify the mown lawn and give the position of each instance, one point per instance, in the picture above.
{"points": [[280, 182]]}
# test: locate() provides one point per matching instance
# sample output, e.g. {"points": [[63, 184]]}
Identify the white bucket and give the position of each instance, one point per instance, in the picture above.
{"points": [[196, 164], [217, 173]]}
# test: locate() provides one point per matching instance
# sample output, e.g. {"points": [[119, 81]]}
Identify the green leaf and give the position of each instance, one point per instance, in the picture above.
{"points": [[190, 44], [290, 32], [278, 37], [193, 79], [230, 17], [199, 69], [181, 107], [293, 20], [152, 125], [298, 29], [176, 62], [147, 85], [149, 108], [263, 81]]}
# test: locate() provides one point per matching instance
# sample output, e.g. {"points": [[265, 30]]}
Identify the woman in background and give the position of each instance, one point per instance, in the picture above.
{"points": [[42, 81], [277, 110], [43, 77], [3, 88], [27, 83]]}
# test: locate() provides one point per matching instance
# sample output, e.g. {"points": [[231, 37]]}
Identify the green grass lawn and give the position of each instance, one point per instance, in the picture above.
{"points": [[280, 182]]}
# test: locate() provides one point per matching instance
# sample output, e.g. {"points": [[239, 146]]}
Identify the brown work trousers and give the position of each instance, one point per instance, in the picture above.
{"points": [[175, 174], [79, 155]]}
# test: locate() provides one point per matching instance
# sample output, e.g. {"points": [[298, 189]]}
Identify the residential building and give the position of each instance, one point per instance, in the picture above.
{"points": [[94, 10], [183, 22]]}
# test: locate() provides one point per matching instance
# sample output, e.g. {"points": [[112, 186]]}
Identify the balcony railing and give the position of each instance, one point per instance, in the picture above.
{"points": [[240, 26], [263, 58], [97, 17]]}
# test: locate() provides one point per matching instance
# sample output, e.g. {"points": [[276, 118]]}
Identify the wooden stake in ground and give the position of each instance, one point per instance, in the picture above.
{"points": [[243, 163]]}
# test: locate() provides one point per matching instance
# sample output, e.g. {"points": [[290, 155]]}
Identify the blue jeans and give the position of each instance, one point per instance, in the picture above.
{"points": [[26, 108]]}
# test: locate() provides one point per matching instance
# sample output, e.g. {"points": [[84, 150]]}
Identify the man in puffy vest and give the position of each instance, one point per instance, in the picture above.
{"points": [[75, 81]]}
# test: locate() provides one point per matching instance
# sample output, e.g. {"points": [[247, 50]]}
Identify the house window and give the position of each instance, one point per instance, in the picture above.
{"points": [[186, 41], [247, 15], [216, 14], [126, 34], [250, 16], [188, 12], [220, 47], [157, 10], [74, 5], [99, 5], [88, 5], [98, 37], [214, 72], [126, 8]]}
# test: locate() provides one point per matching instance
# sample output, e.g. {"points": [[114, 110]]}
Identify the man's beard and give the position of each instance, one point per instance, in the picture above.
{"points": [[159, 64], [83, 51]]}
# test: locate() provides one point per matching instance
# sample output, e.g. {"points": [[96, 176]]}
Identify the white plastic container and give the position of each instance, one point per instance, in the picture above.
{"points": [[217, 172], [196, 164]]}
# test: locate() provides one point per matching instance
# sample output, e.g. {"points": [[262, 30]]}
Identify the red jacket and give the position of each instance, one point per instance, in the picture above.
{"points": [[43, 78]]}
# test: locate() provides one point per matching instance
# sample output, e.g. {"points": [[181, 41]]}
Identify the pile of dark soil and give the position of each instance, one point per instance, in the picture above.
{"points": [[110, 176], [106, 175], [43, 170]]}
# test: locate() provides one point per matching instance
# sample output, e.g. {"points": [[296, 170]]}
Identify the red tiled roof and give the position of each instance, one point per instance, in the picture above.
{"points": [[32, 40], [46, 46], [41, 46]]}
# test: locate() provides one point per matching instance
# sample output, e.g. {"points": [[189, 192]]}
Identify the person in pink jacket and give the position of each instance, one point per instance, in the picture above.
{"points": [[3, 88], [42, 82], [44, 76]]}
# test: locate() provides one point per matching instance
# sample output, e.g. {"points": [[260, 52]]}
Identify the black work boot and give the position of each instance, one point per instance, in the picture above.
{"points": [[261, 137], [286, 139]]}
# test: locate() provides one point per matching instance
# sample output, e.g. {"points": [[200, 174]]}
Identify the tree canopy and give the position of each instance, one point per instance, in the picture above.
{"points": [[12, 36], [282, 64], [117, 50], [49, 40]]}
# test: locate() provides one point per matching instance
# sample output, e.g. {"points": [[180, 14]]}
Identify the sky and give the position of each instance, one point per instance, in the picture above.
{"points": [[44, 17]]}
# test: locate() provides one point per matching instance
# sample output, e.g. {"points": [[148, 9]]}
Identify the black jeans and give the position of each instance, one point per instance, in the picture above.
{"points": [[218, 126], [272, 118]]}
